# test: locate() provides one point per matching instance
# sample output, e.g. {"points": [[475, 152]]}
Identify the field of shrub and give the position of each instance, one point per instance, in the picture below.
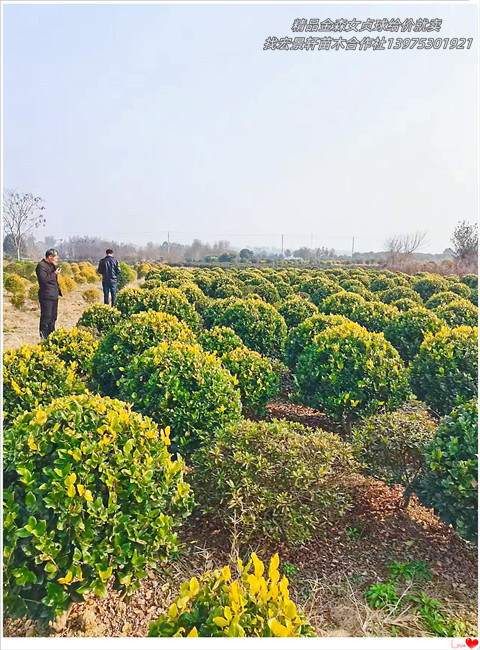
{"points": [[294, 420]]}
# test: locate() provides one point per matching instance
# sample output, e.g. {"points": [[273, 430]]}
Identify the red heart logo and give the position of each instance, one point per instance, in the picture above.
{"points": [[471, 642]]}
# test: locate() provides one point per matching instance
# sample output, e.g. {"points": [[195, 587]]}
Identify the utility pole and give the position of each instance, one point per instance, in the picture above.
{"points": [[353, 246], [168, 245], [282, 244], [311, 240]]}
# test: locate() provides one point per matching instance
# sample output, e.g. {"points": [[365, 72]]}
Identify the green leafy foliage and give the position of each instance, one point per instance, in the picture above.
{"points": [[283, 480], [391, 296], [390, 446], [252, 605], [220, 340], [34, 376], [130, 337], [373, 315], [91, 492], [300, 337], [441, 298], [295, 310], [415, 570], [471, 281], [450, 484], [184, 386], [127, 275], [14, 283], [100, 318], [445, 370], [349, 372], [459, 312], [170, 301], [254, 376], [258, 324], [128, 299], [430, 284], [461, 289], [91, 296], [382, 594], [407, 331]]}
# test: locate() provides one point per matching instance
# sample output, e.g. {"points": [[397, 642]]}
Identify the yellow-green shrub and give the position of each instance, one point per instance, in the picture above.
{"points": [[407, 331], [18, 299], [91, 296], [131, 337], [348, 372], [128, 299], [254, 376], [33, 376], [219, 606], [295, 310], [69, 283], [15, 284], [171, 301], [91, 493], [220, 340], [458, 312], [75, 346], [100, 318], [300, 337], [446, 368], [33, 293], [257, 323]]}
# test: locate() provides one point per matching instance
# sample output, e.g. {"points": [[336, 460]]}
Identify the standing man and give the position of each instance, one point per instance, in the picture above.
{"points": [[47, 274], [109, 268]]}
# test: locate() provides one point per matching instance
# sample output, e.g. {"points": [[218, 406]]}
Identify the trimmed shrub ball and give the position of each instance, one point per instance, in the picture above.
{"points": [[445, 370], [185, 387]]}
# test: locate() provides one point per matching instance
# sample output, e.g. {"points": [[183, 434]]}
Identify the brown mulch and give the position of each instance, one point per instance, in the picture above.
{"points": [[284, 410]]}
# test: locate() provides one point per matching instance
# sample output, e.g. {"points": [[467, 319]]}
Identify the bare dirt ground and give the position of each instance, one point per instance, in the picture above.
{"points": [[21, 326]]}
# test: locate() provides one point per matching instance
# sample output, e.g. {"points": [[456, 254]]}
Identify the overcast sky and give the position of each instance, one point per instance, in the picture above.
{"points": [[131, 120]]}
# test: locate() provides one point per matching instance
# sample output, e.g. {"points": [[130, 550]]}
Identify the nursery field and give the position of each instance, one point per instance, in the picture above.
{"points": [[242, 452]]}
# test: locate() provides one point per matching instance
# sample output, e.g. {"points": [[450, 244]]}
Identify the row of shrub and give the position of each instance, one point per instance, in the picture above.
{"points": [[92, 493], [80, 460], [20, 280]]}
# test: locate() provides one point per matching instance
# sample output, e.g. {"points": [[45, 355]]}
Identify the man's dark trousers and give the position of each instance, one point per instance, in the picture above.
{"points": [[109, 288], [48, 316]]}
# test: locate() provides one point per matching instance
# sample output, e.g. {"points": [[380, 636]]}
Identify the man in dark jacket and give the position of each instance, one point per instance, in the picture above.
{"points": [[47, 274], [109, 268]]}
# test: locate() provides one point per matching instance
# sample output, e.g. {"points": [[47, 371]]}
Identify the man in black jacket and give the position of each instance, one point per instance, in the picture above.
{"points": [[109, 268], [47, 274]]}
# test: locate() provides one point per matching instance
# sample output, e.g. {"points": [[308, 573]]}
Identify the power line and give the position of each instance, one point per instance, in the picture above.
{"points": [[211, 234]]}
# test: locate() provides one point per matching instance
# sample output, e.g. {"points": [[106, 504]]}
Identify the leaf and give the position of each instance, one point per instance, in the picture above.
{"points": [[193, 632], [277, 628], [105, 575], [67, 579], [220, 621], [226, 573], [194, 587], [258, 566]]}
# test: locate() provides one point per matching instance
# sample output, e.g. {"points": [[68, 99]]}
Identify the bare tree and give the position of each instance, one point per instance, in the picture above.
{"points": [[465, 240], [400, 247], [22, 213]]}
